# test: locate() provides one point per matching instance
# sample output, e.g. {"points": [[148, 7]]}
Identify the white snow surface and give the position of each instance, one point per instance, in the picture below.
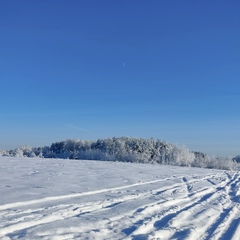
{"points": [[66, 199]]}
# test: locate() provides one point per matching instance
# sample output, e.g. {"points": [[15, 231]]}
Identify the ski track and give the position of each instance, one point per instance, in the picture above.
{"points": [[183, 207]]}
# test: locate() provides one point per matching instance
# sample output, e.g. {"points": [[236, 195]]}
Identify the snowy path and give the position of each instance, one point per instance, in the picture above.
{"points": [[60, 199]]}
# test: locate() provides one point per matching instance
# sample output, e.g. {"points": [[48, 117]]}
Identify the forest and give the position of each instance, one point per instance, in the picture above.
{"points": [[126, 149]]}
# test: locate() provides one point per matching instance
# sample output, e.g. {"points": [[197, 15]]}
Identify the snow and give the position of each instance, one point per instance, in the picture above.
{"points": [[67, 199]]}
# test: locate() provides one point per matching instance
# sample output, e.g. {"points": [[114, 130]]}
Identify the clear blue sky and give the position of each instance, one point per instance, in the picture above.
{"points": [[97, 69]]}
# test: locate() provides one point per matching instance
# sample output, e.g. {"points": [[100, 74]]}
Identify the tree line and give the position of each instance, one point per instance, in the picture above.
{"points": [[125, 149]]}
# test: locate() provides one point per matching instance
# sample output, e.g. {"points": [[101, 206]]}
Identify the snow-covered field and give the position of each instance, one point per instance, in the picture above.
{"points": [[67, 199]]}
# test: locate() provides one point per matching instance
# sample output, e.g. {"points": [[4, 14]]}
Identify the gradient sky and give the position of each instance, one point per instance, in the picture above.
{"points": [[96, 69]]}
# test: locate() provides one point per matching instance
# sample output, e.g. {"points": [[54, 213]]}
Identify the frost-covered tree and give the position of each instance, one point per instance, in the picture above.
{"points": [[236, 159], [126, 149], [3, 152], [182, 156]]}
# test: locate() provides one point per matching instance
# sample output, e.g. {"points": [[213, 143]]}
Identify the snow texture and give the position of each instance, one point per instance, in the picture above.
{"points": [[66, 199]]}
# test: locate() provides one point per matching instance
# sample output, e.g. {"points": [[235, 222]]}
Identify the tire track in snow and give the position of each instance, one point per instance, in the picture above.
{"points": [[167, 211], [150, 227], [64, 197], [151, 214], [228, 226], [18, 224], [75, 211], [220, 224], [145, 220], [225, 224], [75, 195]]}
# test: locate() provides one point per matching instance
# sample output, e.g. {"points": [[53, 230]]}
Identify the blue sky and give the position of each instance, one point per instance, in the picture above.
{"points": [[97, 69]]}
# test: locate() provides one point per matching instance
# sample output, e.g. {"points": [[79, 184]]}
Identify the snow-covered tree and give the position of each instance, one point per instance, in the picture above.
{"points": [[126, 149]]}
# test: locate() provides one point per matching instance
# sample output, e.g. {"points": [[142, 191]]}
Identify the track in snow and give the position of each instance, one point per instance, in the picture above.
{"points": [[196, 206]]}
